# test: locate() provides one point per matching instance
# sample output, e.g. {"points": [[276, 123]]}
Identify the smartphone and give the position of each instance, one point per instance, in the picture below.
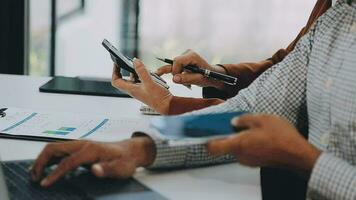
{"points": [[126, 63], [197, 126]]}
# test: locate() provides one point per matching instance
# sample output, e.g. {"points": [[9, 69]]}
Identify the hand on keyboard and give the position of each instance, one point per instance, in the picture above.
{"points": [[117, 160]]}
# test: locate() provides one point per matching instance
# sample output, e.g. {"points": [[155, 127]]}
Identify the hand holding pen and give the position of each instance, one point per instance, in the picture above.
{"points": [[201, 73]]}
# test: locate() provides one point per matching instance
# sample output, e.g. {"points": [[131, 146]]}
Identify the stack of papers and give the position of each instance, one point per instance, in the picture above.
{"points": [[68, 126]]}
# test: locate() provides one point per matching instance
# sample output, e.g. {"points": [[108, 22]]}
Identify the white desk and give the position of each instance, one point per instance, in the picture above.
{"points": [[231, 181]]}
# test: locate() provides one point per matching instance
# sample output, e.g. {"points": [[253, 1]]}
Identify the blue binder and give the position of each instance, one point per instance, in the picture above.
{"points": [[196, 126]]}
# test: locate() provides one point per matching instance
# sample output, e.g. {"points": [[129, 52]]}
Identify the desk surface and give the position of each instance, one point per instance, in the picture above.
{"points": [[230, 181]]}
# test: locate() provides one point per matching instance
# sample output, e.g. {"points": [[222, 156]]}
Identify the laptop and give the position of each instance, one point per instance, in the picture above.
{"points": [[15, 183]]}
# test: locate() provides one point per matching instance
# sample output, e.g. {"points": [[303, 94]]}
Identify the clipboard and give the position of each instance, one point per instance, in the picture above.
{"points": [[32, 138]]}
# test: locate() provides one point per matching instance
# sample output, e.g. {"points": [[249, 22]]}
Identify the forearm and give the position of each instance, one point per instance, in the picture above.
{"points": [[156, 152], [184, 154], [255, 68], [246, 74], [180, 105], [301, 158]]}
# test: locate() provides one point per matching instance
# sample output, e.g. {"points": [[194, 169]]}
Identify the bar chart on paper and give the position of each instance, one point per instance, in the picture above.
{"points": [[60, 131], [68, 125]]}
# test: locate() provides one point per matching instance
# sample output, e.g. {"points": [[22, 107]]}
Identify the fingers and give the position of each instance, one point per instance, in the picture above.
{"points": [[142, 72], [134, 78], [67, 164], [114, 169], [226, 145], [120, 83], [187, 58], [116, 73], [164, 70], [179, 63], [188, 78], [117, 80], [124, 85], [52, 151], [187, 51], [248, 121]]}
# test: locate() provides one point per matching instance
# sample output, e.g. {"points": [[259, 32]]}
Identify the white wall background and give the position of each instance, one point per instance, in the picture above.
{"points": [[226, 31], [222, 30], [79, 51]]}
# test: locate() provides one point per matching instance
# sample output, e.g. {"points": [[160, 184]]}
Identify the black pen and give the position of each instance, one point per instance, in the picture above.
{"points": [[230, 80], [3, 110]]}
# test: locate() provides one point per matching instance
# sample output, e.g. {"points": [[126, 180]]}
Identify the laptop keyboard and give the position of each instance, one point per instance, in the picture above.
{"points": [[21, 187], [78, 184]]}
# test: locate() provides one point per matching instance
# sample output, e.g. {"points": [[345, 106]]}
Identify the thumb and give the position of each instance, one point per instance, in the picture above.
{"points": [[114, 169], [141, 71]]}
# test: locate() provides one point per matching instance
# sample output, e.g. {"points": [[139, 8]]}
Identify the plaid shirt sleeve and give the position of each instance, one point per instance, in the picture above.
{"points": [[280, 90], [332, 178]]}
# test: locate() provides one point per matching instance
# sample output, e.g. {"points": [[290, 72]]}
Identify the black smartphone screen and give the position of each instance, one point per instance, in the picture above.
{"points": [[127, 64], [119, 58]]}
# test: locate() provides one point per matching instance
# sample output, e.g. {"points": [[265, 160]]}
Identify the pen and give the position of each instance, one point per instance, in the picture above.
{"points": [[230, 80], [3, 110]]}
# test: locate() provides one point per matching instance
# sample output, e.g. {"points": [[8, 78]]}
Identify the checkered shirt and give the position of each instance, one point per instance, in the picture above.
{"points": [[314, 87]]}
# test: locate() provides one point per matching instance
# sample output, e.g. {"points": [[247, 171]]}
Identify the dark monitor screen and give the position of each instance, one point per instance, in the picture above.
{"points": [[67, 85]]}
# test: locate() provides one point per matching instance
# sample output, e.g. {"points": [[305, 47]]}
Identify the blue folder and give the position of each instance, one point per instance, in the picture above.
{"points": [[196, 126]]}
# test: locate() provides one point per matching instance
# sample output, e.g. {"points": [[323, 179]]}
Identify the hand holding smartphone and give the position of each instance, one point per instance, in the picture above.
{"points": [[126, 63]]}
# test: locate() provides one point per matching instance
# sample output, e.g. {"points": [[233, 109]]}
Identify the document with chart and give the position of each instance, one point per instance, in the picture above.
{"points": [[68, 126]]}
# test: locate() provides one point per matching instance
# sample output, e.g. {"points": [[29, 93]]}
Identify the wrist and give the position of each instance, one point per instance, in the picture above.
{"points": [[311, 157], [306, 157], [164, 104], [219, 68], [144, 149], [260, 67]]}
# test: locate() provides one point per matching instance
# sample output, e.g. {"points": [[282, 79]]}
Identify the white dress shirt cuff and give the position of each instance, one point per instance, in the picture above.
{"points": [[332, 178]]}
